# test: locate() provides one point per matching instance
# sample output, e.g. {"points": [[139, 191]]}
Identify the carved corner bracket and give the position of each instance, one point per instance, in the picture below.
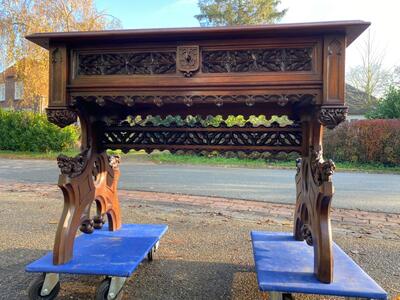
{"points": [[331, 116], [61, 117], [188, 59]]}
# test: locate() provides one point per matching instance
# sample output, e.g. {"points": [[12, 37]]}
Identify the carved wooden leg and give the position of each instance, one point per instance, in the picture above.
{"points": [[314, 191], [85, 178]]}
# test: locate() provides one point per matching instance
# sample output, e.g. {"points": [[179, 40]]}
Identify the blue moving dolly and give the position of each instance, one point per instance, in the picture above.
{"points": [[114, 254], [285, 266]]}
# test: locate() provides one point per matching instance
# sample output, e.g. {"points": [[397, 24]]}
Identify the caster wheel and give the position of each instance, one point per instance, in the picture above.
{"points": [[150, 254], [287, 297], [103, 288], [36, 287]]}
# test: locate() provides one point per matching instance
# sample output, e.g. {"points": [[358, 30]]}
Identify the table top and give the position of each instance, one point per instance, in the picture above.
{"points": [[352, 29]]}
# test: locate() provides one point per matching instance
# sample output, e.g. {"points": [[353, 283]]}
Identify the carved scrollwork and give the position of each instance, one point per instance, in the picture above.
{"points": [[331, 116], [307, 234], [61, 117], [72, 166], [314, 191], [257, 60], [135, 63], [87, 226], [188, 59]]}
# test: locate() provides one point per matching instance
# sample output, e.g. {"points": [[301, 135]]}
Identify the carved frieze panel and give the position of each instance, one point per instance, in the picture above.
{"points": [[190, 100], [143, 63], [257, 60]]}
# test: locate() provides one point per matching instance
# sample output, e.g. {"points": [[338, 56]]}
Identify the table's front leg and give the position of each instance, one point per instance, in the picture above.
{"points": [[88, 177]]}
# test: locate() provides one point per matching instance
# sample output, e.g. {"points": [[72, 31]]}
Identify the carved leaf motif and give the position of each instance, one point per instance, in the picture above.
{"points": [[257, 60], [331, 116], [72, 166], [61, 117], [127, 63]]}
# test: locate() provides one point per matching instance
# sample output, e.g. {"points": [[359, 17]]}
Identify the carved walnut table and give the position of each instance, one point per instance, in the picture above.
{"points": [[114, 80]]}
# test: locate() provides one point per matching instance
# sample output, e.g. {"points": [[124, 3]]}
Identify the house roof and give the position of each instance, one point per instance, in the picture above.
{"points": [[355, 100], [352, 29]]}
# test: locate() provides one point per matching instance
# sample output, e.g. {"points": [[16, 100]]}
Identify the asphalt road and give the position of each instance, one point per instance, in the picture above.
{"points": [[372, 192]]}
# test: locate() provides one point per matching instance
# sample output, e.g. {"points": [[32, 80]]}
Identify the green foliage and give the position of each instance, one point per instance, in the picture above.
{"points": [[388, 107], [364, 141], [238, 12], [28, 131]]}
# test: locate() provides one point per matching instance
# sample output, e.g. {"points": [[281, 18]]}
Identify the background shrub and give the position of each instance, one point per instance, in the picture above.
{"points": [[28, 131], [364, 141]]}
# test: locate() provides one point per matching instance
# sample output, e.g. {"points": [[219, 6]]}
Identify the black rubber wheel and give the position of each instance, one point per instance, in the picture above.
{"points": [[35, 288], [150, 255], [103, 288], [287, 296]]}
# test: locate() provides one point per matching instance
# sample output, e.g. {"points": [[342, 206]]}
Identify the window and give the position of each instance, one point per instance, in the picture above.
{"points": [[2, 91], [19, 90]]}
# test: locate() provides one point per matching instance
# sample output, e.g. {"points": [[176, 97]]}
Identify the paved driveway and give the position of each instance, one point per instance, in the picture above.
{"points": [[373, 192]]}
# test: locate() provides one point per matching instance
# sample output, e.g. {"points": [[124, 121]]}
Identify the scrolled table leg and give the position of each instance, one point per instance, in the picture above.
{"points": [[88, 177]]}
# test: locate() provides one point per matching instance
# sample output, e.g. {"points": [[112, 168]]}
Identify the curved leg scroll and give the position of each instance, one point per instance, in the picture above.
{"points": [[314, 192], [85, 178]]}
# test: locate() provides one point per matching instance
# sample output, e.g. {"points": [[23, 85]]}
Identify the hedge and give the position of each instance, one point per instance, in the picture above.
{"points": [[376, 141], [28, 131]]}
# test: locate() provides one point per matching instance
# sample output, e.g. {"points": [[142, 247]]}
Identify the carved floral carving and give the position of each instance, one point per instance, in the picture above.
{"points": [[257, 60], [114, 161], [72, 166], [61, 117], [143, 63], [188, 59], [331, 116]]}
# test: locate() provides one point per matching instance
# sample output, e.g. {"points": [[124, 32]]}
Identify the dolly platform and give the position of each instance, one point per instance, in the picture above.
{"points": [[285, 266], [114, 254]]}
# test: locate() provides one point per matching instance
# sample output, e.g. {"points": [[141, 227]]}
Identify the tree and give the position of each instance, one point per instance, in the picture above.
{"points": [[19, 18], [388, 107], [370, 77], [238, 12]]}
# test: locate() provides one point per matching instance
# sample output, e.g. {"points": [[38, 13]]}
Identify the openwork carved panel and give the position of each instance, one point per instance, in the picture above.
{"points": [[257, 60], [144, 63], [209, 138]]}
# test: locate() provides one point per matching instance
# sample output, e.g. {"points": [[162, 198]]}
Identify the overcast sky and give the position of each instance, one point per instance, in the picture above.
{"points": [[383, 14]]}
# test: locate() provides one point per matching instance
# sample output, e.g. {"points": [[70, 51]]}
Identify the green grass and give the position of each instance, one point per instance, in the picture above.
{"points": [[167, 158]]}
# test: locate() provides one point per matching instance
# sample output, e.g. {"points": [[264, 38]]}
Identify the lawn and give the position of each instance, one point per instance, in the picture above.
{"points": [[167, 158]]}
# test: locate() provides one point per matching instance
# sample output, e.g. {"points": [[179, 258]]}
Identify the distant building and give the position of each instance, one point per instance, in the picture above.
{"points": [[12, 92], [355, 100], [11, 89]]}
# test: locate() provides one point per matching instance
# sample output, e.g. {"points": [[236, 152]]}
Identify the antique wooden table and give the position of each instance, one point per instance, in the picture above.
{"points": [[114, 80]]}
